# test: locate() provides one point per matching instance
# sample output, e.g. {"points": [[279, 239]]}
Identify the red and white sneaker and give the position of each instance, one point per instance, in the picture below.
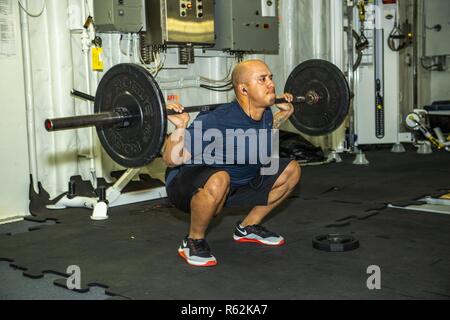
{"points": [[197, 253], [257, 234]]}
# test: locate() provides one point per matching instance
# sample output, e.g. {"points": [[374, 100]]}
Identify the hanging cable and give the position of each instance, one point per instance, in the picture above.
{"points": [[226, 79], [31, 14], [360, 46], [215, 89], [438, 63], [398, 34], [428, 68], [220, 87], [436, 28]]}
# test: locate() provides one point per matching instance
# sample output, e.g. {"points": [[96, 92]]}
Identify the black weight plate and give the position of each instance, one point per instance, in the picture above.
{"points": [[131, 86], [335, 243], [330, 83]]}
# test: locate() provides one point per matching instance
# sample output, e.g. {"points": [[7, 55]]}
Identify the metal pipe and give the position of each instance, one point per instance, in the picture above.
{"points": [[336, 141], [350, 62], [86, 48], [27, 71], [317, 25], [289, 34], [415, 55], [337, 35], [61, 79], [83, 95]]}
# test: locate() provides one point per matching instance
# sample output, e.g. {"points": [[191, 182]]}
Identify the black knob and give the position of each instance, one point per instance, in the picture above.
{"points": [[102, 194], [72, 190]]}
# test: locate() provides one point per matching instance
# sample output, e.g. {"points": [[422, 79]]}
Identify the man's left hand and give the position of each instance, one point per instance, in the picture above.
{"points": [[286, 110]]}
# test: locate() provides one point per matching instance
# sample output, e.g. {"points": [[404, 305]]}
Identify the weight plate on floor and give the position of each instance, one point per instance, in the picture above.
{"points": [[325, 79], [131, 87], [335, 243]]}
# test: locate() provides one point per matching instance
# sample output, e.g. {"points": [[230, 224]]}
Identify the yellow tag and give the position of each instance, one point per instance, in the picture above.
{"points": [[97, 59]]}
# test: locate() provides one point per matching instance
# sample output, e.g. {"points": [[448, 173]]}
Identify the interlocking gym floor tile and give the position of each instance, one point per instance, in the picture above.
{"points": [[14, 286], [22, 227]]}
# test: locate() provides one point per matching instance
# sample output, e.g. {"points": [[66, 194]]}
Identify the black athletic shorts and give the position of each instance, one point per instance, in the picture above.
{"points": [[190, 179]]}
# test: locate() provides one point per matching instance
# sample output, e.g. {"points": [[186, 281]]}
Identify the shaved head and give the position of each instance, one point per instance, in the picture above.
{"points": [[243, 71], [253, 85]]}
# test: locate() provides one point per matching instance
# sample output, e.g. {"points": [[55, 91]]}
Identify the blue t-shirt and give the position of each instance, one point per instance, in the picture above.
{"points": [[228, 139]]}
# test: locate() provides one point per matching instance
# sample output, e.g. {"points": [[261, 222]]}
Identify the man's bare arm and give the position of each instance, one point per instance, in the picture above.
{"points": [[278, 120], [174, 153]]}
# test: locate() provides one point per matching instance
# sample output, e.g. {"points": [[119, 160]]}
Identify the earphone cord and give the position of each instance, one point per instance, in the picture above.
{"points": [[249, 108], [264, 127]]}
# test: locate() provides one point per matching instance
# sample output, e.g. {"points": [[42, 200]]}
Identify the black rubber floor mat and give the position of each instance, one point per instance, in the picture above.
{"points": [[388, 178], [134, 253], [413, 252]]}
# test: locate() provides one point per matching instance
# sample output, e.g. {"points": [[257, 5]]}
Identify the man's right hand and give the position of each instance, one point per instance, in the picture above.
{"points": [[180, 120]]}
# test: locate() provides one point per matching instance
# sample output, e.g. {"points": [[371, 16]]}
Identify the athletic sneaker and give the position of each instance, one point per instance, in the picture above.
{"points": [[197, 253], [257, 234]]}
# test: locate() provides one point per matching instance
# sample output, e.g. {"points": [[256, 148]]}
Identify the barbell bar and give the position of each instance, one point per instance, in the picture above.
{"points": [[123, 119]]}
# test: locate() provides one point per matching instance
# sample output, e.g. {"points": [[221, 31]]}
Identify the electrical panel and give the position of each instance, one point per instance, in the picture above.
{"points": [[119, 15], [174, 22], [437, 28], [247, 25]]}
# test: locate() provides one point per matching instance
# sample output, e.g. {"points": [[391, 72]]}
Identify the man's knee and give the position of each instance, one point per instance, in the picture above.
{"points": [[291, 175], [218, 186], [294, 172]]}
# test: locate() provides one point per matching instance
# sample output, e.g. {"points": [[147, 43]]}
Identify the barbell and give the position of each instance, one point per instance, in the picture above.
{"points": [[130, 112]]}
